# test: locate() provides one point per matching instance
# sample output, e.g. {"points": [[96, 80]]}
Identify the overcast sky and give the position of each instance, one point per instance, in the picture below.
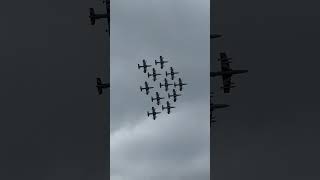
{"points": [[177, 145]]}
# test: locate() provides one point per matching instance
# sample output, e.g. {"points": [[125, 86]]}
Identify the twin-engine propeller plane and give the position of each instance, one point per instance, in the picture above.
{"points": [[172, 73], [166, 84], [147, 87], [101, 85], [161, 62], [144, 66], [226, 72], [154, 113], [154, 74], [158, 98], [168, 107], [93, 16], [174, 95], [180, 84]]}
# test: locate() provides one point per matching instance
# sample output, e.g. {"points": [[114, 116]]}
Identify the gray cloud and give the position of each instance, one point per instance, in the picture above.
{"points": [[175, 144]]}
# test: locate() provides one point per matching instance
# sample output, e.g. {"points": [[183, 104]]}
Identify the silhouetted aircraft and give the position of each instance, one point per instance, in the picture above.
{"points": [[144, 65], [166, 84], [154, 74], [154, 113], [226, 72], [217, 106], [147, 88], [101, 85], [212, 36], [108, 15], [168, 107], [93, 16], [161, 62], [174, 95], [172, 73], [180, 84], [158, 98]]}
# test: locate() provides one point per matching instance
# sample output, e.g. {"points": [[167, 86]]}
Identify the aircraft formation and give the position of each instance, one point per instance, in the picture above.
{"points": [[93, 16], [154, 74], [226, 73]]}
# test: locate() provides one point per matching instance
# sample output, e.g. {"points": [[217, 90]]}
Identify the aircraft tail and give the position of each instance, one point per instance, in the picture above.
{"points": [[98, 81], [140, 88], [139, 66], [148, 113], [161, 85], [166, 73], [99, 90], [152, 99], [92, 16]]}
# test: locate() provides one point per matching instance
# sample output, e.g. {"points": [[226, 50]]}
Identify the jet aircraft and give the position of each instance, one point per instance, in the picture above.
{"points": [[144, 65], [154, 74], [93, 16], [212, 36], [166, 84], [161, 62], [174, 95], [172, 73], [101, 85], [168, 107], [147, 87], [154, 113], [180, 84], [158, 98], [226, 72]]}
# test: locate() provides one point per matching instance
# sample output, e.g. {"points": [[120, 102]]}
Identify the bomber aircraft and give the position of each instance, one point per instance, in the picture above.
{"points": [[226, 72]]}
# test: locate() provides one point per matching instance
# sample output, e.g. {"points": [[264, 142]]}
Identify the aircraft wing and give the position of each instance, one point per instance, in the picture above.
{"points": [[225, 66], [226, 83], [100, 90]]}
